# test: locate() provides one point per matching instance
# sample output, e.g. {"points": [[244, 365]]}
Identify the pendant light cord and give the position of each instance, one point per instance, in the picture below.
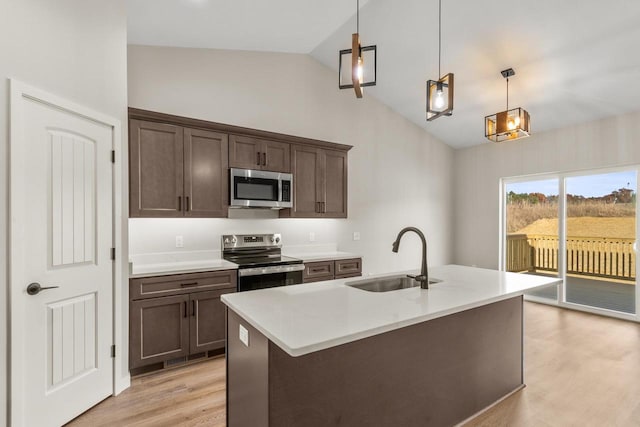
{"points": [[358, 16], [507, 93], [439, 35]]}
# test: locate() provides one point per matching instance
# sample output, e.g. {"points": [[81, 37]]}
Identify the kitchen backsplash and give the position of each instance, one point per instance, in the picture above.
{"points": [[161, 235]]}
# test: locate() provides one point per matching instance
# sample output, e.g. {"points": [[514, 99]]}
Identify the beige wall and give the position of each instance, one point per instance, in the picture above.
{"points": [[604, 143], [398, 174], [75, 49]]}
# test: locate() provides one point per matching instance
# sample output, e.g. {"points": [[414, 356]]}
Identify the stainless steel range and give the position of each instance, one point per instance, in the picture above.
{"points": [[260, 261]]}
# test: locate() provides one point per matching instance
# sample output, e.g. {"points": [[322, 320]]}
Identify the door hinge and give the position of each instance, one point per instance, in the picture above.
{"points": [[113, 350], [113, 254], [113, 156]]}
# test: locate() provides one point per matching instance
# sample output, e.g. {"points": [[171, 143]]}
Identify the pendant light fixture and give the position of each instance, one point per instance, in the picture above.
{"points": [[357, 66], [509, 124], [440, 92]]}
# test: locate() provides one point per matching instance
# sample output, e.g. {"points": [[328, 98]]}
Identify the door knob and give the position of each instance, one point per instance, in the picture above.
{"points": [[35, 288]]}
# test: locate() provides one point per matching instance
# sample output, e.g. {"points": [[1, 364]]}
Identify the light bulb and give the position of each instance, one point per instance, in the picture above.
{"points": [[513, 122], [360, 71], [438, 102]]}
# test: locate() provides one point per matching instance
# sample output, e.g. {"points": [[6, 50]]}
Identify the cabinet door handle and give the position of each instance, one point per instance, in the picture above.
{"points": [[179, 203], [264, 159], [323, 207], [185, 309], [258, 158], [193, 308], [186, 207], [318, 207]]}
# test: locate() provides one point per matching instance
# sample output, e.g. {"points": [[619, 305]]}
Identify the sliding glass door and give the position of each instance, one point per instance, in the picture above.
{"points": [[531, 214], [600, 238], [581, 227]]}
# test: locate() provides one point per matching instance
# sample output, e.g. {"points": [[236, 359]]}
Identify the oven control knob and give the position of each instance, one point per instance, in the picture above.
{"points": [[272, 239], [226, 241], [234, 240], [277, 240]]}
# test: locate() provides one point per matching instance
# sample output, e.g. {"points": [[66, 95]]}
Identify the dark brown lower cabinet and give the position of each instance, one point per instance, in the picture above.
{"points": [[334, 269], [206, 325], [169, 327], [159, 330]]}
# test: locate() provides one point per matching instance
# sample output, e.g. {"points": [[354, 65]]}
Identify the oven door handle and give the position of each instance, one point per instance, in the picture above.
{"points": [[243, 272]]}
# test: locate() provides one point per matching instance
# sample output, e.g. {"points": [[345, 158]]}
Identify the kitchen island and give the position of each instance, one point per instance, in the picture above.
{"points": [[327, 354]]}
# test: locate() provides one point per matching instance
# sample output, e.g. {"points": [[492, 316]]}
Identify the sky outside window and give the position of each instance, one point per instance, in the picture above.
{"points": [[588, 185]]}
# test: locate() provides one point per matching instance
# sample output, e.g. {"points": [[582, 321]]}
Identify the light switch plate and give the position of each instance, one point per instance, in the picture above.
{"points": [[244, 335], [179, 242], [356, 235], [312, 236]]}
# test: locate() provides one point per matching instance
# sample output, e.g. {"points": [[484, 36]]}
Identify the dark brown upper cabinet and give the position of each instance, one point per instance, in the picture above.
{"points": [[179, 167], [259, 154], [206, 176], [155, 169], [319, 183], [177, 171]]}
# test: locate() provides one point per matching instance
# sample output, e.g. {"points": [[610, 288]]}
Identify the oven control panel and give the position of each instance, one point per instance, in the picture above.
{"points": [[236, 241]]}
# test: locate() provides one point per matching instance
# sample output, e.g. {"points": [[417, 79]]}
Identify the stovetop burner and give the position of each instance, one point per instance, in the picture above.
{"points": [[261, 261], [255, 250]]}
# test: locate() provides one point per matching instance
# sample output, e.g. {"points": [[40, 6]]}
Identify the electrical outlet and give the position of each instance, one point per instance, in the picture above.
{"points": [[312, 236], [356, 235], [244, 335], [179, 242]]}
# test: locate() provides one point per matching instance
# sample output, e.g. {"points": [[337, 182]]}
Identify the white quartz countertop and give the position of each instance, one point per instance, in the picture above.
{"points": [[179, 267], [302, 319], [319, 256]]}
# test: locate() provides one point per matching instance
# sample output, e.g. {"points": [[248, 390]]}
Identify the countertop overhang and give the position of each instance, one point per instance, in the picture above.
{"points": [[305, 318]]}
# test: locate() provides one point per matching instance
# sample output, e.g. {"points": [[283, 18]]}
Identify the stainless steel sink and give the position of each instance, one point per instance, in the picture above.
{"points": [[386, 284]]}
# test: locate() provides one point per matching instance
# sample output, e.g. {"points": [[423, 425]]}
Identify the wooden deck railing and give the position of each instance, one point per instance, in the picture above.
{"points": [[591, 256]]}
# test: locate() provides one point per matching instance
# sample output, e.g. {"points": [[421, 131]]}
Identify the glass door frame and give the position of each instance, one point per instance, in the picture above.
{"points": [[562, 234]]}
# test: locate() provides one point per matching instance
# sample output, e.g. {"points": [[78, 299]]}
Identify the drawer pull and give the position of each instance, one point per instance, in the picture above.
{"points": [[185, 309], [189, 284], [317, 269]]}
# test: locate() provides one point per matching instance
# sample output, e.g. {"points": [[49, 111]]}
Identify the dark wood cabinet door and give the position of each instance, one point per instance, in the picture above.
{"points": [[335, 184], [159, 330], [245, 152], [307, 181], [207, 330], [155, 169], [206, 175], [276, 156]]}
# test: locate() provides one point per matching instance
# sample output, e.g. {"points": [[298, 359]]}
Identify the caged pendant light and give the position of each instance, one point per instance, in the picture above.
{"points": [[357, 66], [440, 92], [507, 125]]}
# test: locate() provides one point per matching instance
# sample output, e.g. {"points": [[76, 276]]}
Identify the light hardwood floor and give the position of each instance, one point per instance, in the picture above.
{"points": [[193, 395], [580, 370]]}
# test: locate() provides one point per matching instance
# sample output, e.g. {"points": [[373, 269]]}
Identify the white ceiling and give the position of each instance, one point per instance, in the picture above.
{"points": [[294, 26], [575, 60]]}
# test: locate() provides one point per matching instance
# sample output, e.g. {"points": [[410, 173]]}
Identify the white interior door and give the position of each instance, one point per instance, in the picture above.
{"points": [[61, 238]]}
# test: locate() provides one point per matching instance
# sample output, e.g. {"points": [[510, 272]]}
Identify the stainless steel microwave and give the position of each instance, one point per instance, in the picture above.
{"points": [[260, 189]]}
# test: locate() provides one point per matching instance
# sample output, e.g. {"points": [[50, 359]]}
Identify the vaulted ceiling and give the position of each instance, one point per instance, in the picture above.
{"points": [[575, 60]]}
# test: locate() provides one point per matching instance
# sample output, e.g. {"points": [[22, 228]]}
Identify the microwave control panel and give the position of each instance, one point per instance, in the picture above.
{"points": [[286, 191]]}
